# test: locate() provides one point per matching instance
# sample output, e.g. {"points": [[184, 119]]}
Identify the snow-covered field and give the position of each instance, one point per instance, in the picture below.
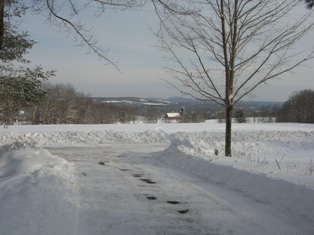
{"points": [[50, 180]]}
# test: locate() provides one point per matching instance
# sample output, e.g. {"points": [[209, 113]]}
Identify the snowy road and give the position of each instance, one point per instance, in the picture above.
{"points": [[124, 190]]}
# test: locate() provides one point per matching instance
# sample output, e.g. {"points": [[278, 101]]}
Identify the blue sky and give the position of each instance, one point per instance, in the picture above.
{"points": [[133, 45]]}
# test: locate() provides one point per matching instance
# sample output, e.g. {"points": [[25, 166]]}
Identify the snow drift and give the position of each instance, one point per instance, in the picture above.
{"points": [[37, 191]]}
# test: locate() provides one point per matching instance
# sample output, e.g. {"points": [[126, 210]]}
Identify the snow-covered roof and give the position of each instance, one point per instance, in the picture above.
{"points": [[173, 115]]}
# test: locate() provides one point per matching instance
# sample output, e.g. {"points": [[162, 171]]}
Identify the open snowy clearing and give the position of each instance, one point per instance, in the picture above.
{"points": [[156, 179]]}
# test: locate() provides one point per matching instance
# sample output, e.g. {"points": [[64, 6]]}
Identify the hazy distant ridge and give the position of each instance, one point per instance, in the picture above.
{"points": [[155, 101]]}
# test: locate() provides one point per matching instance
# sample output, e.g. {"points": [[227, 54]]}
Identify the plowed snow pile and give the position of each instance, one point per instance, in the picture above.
{"points": [[37, 191]]}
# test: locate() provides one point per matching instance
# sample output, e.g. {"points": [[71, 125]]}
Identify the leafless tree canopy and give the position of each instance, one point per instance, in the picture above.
{"points": [[224, 49], [309, 4], [298, 108]]}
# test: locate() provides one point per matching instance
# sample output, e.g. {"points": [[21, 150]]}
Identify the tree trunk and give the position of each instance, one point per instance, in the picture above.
{"points": [[229, 110], [1, 22]]}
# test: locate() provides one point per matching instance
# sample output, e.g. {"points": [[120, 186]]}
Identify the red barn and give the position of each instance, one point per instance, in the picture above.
{"points": [[173, 117]]}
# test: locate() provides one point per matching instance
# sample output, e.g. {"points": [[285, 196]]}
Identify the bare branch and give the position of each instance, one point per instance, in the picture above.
{"points": [[242, 38], [65, 14], [87, 39], [233, 46]]}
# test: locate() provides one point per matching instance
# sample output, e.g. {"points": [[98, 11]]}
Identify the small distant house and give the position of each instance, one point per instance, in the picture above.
{"points": [[173, 117]]}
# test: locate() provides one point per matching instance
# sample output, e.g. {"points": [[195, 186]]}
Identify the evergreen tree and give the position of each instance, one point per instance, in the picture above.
{"points": [[240, 116], [20, 84]]}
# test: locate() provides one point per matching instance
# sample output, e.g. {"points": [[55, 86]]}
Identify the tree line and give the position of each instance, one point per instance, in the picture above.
{"points": [[64, 105], [298, 108]]}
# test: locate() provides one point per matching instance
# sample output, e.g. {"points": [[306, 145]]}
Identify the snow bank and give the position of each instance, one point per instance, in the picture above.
{"points": [[262, 152], [187, 153], [37, 191], [255, 147], [86, 137]]}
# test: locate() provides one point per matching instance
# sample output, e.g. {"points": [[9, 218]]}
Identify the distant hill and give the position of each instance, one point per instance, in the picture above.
{"points": [[175, 104], [177, 99], [131, 101], [185, 100], [182, 100], [258, 104]]}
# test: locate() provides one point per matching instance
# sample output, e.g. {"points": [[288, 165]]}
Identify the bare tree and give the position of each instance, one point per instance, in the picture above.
{"points": [[222, 50], [298, 108], [1, 22], [309, 4]]}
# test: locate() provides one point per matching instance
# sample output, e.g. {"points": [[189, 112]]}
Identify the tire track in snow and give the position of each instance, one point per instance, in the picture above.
{"points": [[159, 205], [126, 208], [170, 208]]}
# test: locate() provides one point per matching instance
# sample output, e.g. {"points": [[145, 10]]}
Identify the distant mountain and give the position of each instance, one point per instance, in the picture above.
{"points": [[184, 100], [179, 100], [131, 101], [177, 103], [260, 103]]}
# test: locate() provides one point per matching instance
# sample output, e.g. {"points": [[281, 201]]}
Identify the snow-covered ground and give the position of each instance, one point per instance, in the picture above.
{"points": [[89, 179]]}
